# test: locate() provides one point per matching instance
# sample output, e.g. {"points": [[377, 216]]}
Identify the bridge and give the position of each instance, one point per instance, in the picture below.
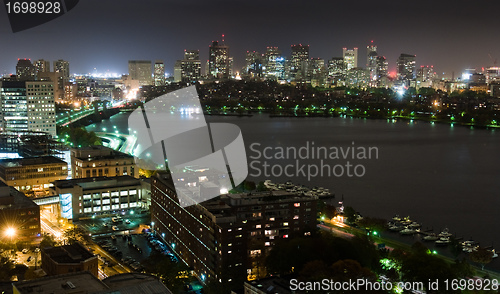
{"points": [[47, 200]]}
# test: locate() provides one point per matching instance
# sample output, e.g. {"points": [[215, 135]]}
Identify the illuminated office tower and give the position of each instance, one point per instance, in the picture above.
{"points": [[140, 70], [426, 73], [336, 71], [371, 61], [382, 67], [42, 66], [218, 60], [299, 61], [316, 72], [253, 64], [159, 73], [406, 67], [274, 64], [62, 66], [350, 58], [25, 71], [28, 106], [188, 70]]}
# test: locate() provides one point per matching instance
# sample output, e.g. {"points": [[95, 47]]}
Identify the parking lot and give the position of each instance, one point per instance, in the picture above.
{"points": [[105, 225], [132, 249]]}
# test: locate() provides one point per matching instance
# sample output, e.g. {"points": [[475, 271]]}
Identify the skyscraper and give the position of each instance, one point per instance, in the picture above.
{"points": [[274, 64], [140, 70], [28, 106], [62, 66], [299, 61], [25, 71], [42, 66], [188, 70], [336, 70], [159, 73], [371, 61], [218, 61], [406, 67], [382, 67], [350, 58], [253, 64]]}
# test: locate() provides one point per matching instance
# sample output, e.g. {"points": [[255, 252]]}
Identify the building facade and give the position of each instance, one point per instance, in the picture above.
{"points": [[19, 216], [159, 73], [33, 175], [27, 107], [25, 71], [68, 259], [99, 161], [227, 237], [218, 60], [140, 70], [83, 198], [350, 58], [406, 68]]}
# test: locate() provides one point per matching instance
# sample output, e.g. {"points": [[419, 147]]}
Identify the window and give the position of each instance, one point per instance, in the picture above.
{"points": [[268, 243], [296, 204], [258, 226]]}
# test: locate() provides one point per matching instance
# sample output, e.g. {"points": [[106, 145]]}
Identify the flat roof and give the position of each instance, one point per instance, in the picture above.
{"points": [[98, 182], [80, 282], [74, 253], [133, 283], [28, 161], [18, 200]]}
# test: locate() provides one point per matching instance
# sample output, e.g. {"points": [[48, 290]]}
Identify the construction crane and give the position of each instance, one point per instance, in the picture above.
{"points": [[494, 61]]}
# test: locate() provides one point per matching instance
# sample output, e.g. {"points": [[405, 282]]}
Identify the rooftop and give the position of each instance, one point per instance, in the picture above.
{"points": [[98, 182], [98, 152], [10, 198], [80, 282], [74, 253], [29, 161]]}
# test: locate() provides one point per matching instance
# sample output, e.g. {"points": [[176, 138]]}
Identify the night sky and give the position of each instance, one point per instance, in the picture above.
{"points": [[105, 34]]}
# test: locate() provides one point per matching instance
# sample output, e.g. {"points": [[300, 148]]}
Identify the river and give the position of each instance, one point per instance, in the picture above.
{"points": [[439, 175]]}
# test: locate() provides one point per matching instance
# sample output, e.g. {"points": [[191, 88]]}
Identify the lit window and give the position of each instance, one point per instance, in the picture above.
{"points": [[258, 226], [268, 243], [285, 224], [271, 219], [296, 204]]}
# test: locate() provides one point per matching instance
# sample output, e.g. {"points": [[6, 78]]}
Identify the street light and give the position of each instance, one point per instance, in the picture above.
{"points": [[10, 232]]}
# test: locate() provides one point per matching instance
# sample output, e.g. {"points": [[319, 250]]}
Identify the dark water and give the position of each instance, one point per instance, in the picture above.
{"points": [[441, 176]]}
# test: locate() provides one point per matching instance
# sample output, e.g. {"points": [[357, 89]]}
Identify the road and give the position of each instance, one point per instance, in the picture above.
{"points": [[103, 270]]}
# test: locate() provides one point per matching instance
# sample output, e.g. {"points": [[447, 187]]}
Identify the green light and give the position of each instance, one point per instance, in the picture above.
{"points": [[375, 233], [323, 217], [434, 252]]}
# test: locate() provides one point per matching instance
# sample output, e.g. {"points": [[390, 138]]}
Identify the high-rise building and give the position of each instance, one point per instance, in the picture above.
{"points": [[299, 61], [221, 238], [28, 106], [316, 73], [25, 71], [140, 70], [188, 70], [336, 71], [357, 77], [350, 58], [42, 66], [159, 73], [274, 64], [218, 60], [426, 73], [62, 66], [253, 64], [371, 61], [369, 50], [406, 68], [381, 72]]}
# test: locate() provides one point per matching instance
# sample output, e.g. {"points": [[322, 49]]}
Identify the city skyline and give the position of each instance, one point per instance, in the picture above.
{"points": [[107, 41]]}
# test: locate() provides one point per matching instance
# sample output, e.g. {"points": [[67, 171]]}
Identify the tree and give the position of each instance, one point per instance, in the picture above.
{"points": [[372, 224], [6, 268], [249, 185], [261, 187], [350, 214], [481, 256], [47, 241], [76, 234]]}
